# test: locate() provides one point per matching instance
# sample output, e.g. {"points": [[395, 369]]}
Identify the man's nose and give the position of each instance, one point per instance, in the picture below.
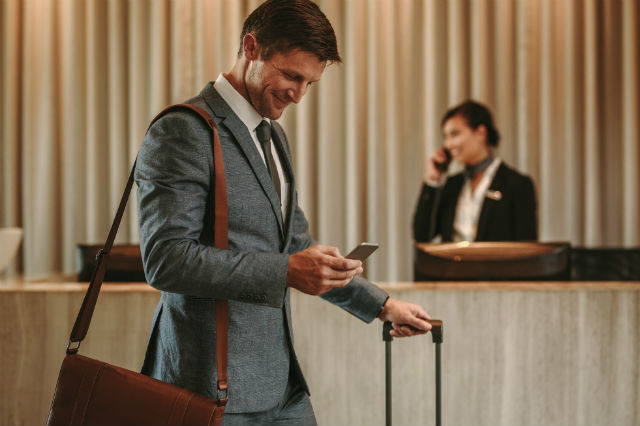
{"points": [[296, 93]]}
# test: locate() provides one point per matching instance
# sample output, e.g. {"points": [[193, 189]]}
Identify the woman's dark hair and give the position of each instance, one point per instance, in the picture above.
{"points": [[282, 25], [476, 114]]}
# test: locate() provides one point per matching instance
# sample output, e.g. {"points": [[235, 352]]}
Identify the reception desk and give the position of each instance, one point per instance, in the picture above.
{"points": [[529, 353]]}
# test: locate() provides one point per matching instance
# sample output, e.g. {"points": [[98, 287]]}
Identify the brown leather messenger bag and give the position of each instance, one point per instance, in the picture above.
{"points": [[92, 392]]}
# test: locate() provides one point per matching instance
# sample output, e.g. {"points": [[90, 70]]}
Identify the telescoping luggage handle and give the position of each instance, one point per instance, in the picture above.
{"points": [[437, 334]]}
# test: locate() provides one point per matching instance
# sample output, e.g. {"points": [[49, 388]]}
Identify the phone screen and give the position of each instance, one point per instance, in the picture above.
{"points": [[363, 251]]}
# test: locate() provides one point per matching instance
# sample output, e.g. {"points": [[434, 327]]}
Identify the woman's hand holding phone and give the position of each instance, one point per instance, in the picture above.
{"points": [[437, 165]]}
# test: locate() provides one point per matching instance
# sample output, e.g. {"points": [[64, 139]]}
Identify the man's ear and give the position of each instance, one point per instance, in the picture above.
{"points": [[250, 47]]}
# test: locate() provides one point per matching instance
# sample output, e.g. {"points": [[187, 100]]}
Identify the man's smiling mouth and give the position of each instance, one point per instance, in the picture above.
{"points": [[280, 101]]}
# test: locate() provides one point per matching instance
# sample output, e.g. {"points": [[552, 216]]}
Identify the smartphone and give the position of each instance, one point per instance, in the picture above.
{"points": [[444, 166], [362, 251]]}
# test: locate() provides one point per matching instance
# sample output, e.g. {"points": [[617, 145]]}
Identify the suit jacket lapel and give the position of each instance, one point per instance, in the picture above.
{"points": [[489, 205], [243, 139]]}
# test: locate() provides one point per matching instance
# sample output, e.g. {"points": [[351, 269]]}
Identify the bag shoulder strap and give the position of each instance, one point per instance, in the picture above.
{"points": [[221, 241]]}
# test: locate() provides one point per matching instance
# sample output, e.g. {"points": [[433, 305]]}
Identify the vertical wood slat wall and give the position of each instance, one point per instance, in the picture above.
{"points": [[82, 78]]}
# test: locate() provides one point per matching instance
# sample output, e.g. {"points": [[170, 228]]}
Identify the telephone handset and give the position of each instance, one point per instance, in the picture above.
{"points": [[444, 166]]}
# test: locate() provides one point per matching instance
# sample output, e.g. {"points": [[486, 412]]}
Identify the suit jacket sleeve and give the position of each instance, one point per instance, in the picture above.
{"points": [[360, 297], [526, 217], [173, 174]]}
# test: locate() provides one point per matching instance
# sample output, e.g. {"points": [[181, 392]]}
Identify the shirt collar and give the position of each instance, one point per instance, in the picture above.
{"points": [[238, 104], [470, 171]]}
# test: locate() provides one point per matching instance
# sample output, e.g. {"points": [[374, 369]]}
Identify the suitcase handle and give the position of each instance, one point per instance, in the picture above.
{"points": [[438, 337], [436, 330]]}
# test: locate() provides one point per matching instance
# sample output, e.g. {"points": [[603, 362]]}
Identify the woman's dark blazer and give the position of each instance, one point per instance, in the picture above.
{"points": [[512, 217]]}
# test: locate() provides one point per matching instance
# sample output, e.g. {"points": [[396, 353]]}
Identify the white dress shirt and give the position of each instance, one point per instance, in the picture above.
{"points": [[465, 224], [251, 118]]}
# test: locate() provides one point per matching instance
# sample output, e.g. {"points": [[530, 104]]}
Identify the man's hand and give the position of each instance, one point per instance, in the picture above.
{"points": [[318, 269], [404, 314]]}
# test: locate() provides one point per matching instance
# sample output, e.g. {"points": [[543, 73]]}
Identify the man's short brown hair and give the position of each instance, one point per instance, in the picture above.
{"points": [[282, 25]]}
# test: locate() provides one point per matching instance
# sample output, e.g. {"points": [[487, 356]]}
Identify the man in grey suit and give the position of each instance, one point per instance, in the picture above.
{"points": [[285, 46]]}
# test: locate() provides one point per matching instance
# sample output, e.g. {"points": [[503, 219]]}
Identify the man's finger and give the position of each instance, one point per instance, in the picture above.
{"points": [[418, 326], [400, 330], [343, 264], [328, 250], [420, 313], [347, 275], [337, 283], [331, 274], [405, 330]]}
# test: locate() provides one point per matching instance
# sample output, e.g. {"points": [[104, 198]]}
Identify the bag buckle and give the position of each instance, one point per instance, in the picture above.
{"points": [[73, 346], [101, 252], [222, 400]]}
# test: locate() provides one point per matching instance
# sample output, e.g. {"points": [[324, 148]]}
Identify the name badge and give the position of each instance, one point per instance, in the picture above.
{"points": [[494, 195]]}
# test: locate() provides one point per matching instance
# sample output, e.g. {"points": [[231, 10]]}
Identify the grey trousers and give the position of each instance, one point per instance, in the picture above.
{"points": [[294, 410]]}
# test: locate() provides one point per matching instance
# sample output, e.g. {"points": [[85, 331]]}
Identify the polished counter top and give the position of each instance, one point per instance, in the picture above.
{"points": [[511, 285], [67, 283]]}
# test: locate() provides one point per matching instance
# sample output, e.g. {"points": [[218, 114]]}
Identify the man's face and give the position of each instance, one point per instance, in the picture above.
{"points": [[284, 78]]}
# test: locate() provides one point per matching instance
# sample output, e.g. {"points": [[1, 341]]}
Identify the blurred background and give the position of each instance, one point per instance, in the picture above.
{"points": [[81, 79]]}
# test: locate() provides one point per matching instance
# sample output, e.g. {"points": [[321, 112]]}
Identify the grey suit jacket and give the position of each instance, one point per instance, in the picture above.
{"points": [[175, 206]]}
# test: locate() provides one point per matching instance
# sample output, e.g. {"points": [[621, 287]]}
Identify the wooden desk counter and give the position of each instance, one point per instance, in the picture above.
{"points": [[513, 353]]}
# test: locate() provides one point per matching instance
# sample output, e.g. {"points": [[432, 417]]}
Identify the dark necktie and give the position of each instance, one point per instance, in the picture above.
{"points": [[263, 131]]}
